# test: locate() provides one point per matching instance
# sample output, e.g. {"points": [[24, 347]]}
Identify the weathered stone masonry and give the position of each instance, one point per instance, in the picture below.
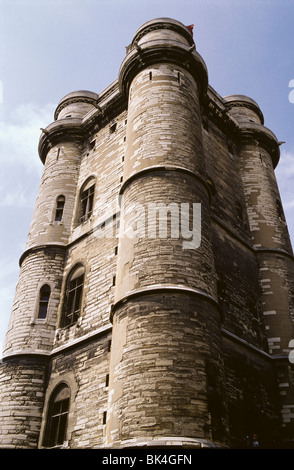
{"points": [[138, 342]]}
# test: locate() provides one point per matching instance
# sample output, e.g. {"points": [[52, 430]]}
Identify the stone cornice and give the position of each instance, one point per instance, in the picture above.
{"points": [[257, 134], [78, 129], [69, 129], [76, 97], [160, 51], [216, 109], [161, 288], [162, 24], [242, 101], [164, 168], [113, 99]]}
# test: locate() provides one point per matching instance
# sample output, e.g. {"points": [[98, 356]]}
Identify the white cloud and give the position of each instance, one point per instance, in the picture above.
{"points": [[19, 135], [20, 174], [19, 160], [285, 178]]}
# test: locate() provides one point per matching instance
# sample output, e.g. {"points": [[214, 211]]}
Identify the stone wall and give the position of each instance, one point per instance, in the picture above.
{"points": [[199, 337]]}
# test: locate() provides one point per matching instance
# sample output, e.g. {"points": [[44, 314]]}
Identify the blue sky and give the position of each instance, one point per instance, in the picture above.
{"points": [[49, 48]]}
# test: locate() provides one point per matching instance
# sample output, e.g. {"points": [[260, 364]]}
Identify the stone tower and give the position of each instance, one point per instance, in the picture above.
{"points": [[155, 298]]}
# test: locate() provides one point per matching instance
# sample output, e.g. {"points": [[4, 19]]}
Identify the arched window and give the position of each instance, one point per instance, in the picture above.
{"points": [[87, 199], [44, 297], [73, 296], [57, 417], [59, 208]]}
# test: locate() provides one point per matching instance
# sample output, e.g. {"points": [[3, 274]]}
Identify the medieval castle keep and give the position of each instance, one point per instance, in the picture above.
{"points": [[128, 333]]}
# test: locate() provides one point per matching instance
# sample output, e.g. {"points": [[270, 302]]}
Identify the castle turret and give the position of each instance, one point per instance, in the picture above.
{"points": [[137, 319], [33, 320], [258, 157], [166, 334]]}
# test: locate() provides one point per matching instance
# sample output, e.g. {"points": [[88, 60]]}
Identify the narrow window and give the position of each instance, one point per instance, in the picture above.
{"points": [[59, 208], [104, 417], [113, 128], [87, 199], [73, 297], [150, 75], [57, 417], [92, 144], [44, 301]]}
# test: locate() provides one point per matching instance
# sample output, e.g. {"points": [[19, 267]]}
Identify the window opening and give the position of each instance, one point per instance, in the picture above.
{"points": [[92, 144], [73, 297], [113, 127], [87, 198], [60, 201], [58, 417], [44, 297]]}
